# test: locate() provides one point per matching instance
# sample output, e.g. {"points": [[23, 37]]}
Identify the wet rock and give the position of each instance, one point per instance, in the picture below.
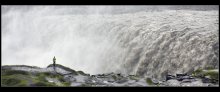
{"points": [[168, 77], [76, 84], [91, 81], [198, 82], [101, 76], [93, 76], [119, 74], [180, 75], [94, 81], [122, 80], [69, 78], [215, 81], [188, 80], [155, 81], [206, 80], [110, 80], [173, 82]]}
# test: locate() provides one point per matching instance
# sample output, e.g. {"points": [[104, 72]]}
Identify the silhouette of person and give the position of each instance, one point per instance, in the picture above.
{"points": [[54, 62]]}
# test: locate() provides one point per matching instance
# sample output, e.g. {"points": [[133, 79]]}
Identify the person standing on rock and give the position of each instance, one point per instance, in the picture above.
{"points": [[54, 63]]}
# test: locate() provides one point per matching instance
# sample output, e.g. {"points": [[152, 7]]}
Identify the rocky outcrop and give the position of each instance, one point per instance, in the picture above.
{"points": [[190, 80], [64, 75]]}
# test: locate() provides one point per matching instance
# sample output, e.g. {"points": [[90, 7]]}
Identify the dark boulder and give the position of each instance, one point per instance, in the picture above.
{"points": [[123, 80], [209, 80], [206, 80], [168, 77], [180, 75], [93, 76]]}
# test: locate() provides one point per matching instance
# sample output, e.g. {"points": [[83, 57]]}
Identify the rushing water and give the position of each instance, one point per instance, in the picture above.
{"points": [[147, 43]]}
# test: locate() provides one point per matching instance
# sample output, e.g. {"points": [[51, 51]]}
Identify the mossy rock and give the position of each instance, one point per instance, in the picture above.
{"points": [[14, 78], [10, 81], [202, 73], [48, 74], [133, 77], [44, 84], [65, 68], [13, 81], [212, 74], [41, 78], [82, 73], [198, 73], [114, 77], [66, 84], [61, 79], [13, 72], [9, 66], [23, 83], [149, 81], [85, 85], [18, 78]]}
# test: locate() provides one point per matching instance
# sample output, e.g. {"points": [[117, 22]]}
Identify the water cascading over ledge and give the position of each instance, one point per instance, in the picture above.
{"points": [[143, 43]]}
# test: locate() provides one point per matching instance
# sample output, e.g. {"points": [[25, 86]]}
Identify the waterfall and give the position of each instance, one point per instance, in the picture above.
{"points": [[146, 43]]}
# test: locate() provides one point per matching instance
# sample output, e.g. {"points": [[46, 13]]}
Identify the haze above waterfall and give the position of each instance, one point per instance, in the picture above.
{"points": [[144, 40]]}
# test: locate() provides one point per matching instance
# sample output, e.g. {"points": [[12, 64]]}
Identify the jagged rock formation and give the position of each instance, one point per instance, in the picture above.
{"points": [[64, 76]]}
